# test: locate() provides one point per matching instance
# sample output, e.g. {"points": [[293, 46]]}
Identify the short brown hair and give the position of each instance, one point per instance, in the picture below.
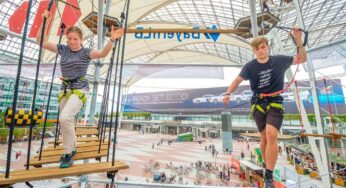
{"points": [[76, 30], [258, 41]]}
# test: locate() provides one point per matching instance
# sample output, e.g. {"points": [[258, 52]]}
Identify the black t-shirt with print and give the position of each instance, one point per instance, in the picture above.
{"points": [[266, 77]]}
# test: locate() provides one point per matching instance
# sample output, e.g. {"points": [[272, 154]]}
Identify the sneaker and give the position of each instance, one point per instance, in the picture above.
{"points": [[268, 182], [73, 153], [66, 161]]}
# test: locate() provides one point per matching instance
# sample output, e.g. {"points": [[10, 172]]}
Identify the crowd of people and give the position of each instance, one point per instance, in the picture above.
{"points": [[306, 161], [211, 148], [199, 172], [301, 160]]}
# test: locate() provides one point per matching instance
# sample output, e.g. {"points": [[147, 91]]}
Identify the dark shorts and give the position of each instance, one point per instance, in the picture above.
{"points": [[273, 117]]}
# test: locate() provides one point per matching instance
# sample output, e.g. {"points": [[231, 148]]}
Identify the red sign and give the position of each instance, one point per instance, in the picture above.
{"points": [[70, 15], [17, 20], [38, 21]]}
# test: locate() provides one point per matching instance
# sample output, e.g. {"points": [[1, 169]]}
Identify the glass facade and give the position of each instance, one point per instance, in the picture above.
{"points": [[25, 95]]}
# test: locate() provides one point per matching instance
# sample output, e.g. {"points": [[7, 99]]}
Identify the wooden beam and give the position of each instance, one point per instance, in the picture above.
{"points": [[226, 31], [19, 176]]}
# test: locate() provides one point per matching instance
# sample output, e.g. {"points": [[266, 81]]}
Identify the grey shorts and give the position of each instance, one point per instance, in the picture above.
{"points": [[274, 116]]}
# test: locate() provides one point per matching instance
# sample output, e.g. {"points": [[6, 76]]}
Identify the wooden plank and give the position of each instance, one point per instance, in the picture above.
{"points": [[85, 124], [86, 127], [56, 172], [317, 135], [81, 132], [80, 145], [329, 135], [257, 135], [78, 156], [44, 169], [88, 139], [59, 152], [338, 135]]}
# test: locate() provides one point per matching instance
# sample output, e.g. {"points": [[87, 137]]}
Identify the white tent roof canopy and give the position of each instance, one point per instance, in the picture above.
{"points": [[325, 21]]}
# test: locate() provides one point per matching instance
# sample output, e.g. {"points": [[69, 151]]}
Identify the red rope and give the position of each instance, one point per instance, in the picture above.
{"points": [[283, 90], [294, 75], [329, 107], [331, 79]]}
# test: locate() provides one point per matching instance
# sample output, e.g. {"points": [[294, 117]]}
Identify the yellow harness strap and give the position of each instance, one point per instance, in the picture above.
{"points": [[77, 92], [267, 108]]}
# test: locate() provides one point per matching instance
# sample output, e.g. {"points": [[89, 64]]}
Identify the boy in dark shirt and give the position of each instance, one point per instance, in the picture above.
{"points": [[266, 75]]}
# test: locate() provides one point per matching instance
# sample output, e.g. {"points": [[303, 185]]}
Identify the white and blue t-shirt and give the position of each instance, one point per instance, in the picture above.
{"points": [[74, 64]]}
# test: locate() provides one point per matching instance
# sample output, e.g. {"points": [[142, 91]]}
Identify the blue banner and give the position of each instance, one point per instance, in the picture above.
{"points": [[210, 100]]}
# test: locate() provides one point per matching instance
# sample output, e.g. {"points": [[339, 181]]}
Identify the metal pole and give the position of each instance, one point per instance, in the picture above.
{"points": [[322, 155], [98, 63], [253, 16]]}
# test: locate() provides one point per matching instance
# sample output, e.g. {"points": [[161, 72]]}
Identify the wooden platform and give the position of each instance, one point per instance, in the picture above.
{"points": [[88, 139], [19, 176], [59, 152], [81, 145], [257, 135], [263, 17], [78, 156], [91, 20]]}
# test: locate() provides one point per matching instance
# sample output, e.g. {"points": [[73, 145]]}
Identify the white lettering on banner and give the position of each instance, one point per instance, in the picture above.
{"points": [[139, 99], [177, 97], [157, 98], [167, 35], [173, 98]]}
